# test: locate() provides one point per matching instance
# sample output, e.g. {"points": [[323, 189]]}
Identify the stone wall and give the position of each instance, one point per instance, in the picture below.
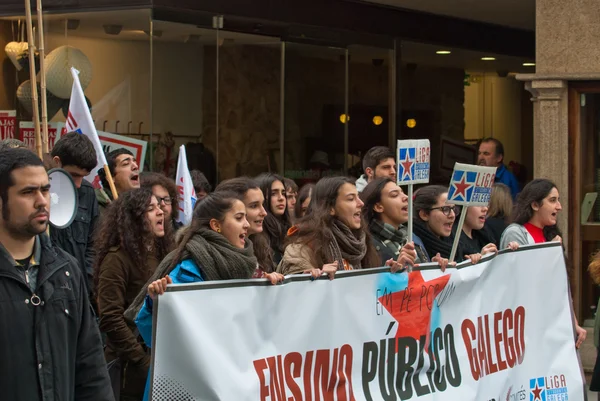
{"points": [[567, 36], [250, 99], [248, 107]]}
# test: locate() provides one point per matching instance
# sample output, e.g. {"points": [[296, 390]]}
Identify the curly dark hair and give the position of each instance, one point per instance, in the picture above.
{"points": [[124, 224], [148, 180], [314, 229]]}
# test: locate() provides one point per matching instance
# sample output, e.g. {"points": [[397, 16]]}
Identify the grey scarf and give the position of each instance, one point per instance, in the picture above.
{"points": [[216, 258], [347, 245]]}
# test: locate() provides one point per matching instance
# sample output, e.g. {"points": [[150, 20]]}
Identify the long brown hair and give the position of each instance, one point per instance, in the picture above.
{"points": [[124, 224], [314, 229], [260, 241], [275, 228], [534, 192], [214, 206]]}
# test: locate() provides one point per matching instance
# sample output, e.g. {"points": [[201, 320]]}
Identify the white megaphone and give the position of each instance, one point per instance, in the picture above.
{"points": [[63, 198]]}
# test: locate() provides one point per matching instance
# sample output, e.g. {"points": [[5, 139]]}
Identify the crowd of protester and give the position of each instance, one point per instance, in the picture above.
{"points": [[80, 298]]}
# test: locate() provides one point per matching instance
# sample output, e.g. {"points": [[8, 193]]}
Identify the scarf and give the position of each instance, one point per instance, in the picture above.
{"points": [[433, 243], [346, 245], [214, 255], [388, 232]]}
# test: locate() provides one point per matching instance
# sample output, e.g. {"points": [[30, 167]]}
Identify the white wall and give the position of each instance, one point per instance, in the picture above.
{"points": [[493, 109]]}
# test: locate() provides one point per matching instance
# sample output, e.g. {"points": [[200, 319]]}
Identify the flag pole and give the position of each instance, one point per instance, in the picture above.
{"points": [[32, 79], [40, 17], [111, 182]]}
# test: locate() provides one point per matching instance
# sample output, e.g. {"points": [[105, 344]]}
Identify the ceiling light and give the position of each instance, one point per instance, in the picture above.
{"points": [[443, 52], [528, 64], [488, 58]]}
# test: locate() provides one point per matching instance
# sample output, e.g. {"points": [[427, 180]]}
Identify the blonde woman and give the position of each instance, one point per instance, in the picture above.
{"points": [[499, 210]]}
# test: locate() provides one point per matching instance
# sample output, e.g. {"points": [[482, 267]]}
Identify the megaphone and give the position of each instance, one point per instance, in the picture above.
{"points": [[63, 198]]}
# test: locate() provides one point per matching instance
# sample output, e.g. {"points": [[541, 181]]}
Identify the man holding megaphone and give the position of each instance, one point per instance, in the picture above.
{"points": [[75, 153], [49, 340]]}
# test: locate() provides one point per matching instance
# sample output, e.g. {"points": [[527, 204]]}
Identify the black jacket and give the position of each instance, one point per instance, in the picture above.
{"points": [[78, 239], [52, 351]]}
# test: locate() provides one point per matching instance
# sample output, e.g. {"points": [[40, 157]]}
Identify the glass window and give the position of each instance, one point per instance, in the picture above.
{"points": [[314, 111]]}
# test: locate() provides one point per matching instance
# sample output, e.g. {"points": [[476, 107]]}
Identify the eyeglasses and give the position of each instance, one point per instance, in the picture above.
{"points": [[166, 199], [447, 209]]}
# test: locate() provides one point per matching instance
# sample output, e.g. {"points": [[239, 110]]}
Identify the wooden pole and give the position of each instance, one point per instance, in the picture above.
{"points": [[34, 95], [111, 183], [40, 17]]}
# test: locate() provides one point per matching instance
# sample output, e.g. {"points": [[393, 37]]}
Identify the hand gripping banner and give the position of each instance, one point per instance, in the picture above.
{"points": [[498, 330]]}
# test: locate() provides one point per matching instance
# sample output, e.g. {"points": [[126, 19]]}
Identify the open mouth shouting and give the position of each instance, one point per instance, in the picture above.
{"points": [[243, 238], [135, 180]]}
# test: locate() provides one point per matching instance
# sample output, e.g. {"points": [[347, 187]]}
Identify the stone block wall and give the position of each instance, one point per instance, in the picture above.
{"points": [[250, 99]]}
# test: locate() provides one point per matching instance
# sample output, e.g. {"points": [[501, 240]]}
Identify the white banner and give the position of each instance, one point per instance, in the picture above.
{"points": [[413, 161], [498, 330], [471, 185], [80, 120], [137, 147], [185, 188]]}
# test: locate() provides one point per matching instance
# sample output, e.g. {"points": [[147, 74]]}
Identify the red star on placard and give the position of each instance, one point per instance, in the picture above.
{"points": [[412, 312], [406, 164], [461, 188], [537, 392]]}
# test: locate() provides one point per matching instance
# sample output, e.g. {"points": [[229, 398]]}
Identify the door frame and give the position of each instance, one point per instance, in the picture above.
{"points": [[575, 90]]}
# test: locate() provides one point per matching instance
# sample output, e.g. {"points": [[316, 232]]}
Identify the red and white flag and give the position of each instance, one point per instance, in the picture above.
{"points": [[80, 120], [185, 188]]}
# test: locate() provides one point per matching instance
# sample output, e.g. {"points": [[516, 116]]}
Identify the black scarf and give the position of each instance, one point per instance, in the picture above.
{"points": [[433, 243]]}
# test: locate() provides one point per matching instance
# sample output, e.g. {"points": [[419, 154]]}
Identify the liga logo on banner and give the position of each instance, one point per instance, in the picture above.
{"points": [[413, 161], [422, 336], [471, 185]]}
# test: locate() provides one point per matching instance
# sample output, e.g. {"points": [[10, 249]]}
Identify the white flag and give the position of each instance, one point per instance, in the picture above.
{"points": [[185, 188], [80, 120]]}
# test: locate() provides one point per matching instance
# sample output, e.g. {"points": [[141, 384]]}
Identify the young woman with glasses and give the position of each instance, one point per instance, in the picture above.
{"points": [[434, 217], [165, 191]]}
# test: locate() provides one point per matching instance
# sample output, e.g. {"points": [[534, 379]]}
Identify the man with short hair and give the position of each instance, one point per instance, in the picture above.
{"points": [[200, 183], [49, 340], [75, 153], [378, 162], [491, 154], [125, 173]]}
